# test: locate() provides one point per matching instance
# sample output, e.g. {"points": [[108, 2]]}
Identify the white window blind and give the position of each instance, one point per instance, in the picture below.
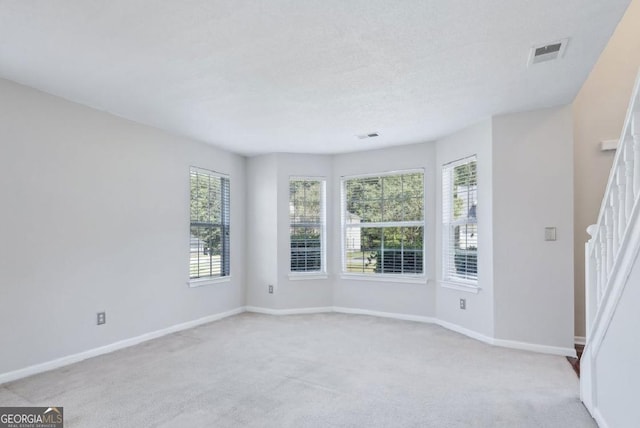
{"points": [[383, 224], [209, 249], [307, 224], [460, 223]]}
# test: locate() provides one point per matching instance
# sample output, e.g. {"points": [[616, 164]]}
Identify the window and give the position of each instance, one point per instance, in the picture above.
{"points": [[307, 224], [383, 224], [209, 254], [460, 223]]}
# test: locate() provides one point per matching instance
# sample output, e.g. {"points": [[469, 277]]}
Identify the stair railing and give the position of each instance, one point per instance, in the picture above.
{"points": [[619, 206], [611, 253]]}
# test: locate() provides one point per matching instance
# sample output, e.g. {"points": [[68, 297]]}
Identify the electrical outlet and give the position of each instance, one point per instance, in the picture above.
{"points": [[102, 318], [270, 289], [463, 303]]}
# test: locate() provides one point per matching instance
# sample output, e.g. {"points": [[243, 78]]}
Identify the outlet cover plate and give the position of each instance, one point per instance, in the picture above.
{"points": [[549, 233]]}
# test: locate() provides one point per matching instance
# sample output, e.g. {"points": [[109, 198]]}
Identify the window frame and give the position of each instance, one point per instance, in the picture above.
{"points": [[322, 225], [224, 225], [419, 278], [448, 279]]}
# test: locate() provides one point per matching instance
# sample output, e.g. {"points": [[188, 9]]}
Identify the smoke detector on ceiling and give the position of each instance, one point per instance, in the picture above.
{"points": [[548, 52], [369, 135]]}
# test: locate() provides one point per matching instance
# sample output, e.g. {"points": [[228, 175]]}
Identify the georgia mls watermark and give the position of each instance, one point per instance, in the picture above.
{"points": [[31, 417]]}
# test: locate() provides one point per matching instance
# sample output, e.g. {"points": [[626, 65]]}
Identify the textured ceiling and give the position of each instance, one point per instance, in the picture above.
{"points": [[256, 76]]}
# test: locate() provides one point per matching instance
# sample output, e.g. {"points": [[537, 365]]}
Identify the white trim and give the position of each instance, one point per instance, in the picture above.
{"points": [[543, 349], [366, 224], [447, 261], [418, 279], [461, 161], [70, 359], [404, 317], [74, 358], [293, 311], [200, 282], [322, 225], [602, 423], [413, 223], [580, 340], [460, 286], [308, 177], [301, 276], [207, 171], [384, 173], [467, 332]]}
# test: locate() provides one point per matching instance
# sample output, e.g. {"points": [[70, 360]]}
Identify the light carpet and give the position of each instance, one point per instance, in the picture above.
{"points": [[321, 370]]}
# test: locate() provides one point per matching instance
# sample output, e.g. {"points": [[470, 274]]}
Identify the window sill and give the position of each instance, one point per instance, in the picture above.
{"points": [[421, 279], [201, 282], [305, 276], [461, 286]]}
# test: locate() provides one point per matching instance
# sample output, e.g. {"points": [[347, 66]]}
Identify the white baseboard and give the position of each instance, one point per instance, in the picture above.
{"points": [[70, 359], [599, 419], [397, 316], [580, 340], [64, 361], [465, 331], [294, 311], [543, 349]]}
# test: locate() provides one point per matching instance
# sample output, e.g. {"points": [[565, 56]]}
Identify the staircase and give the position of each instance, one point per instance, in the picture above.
{"points": [[609, 370]]}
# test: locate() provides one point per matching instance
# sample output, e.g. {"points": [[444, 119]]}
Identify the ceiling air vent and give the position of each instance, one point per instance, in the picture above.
{"points": [[549, 52]]}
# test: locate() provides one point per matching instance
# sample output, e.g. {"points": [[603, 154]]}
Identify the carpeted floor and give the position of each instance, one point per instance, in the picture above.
{"points": [[323, 370]]}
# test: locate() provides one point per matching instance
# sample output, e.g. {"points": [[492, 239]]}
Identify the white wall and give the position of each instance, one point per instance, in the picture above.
{"points": [[262, 233], [95, 217], [599, 111], [478, 315], [533, 189], [268, 248], [394, 297]]}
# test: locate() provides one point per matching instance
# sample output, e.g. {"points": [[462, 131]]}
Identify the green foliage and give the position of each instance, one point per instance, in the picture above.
{"points": [[387, 198], [458, 205], [464, 177], [305, 201], [393, 198], [208, 212], [466, 174]]}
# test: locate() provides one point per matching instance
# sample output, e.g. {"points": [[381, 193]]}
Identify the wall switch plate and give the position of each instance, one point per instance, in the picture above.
{"points": [[102, 318], [463, 303], [549, 233], [270, 289]]}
